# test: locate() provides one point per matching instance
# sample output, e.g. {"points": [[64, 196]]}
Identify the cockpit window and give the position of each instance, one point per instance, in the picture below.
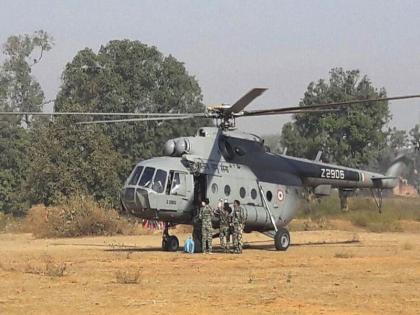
{"points": [[159, 181], [136, 175], [146, 178], [178, 184]]}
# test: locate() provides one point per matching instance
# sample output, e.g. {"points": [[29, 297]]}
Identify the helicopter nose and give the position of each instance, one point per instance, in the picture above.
{"points": [[134, 200]]}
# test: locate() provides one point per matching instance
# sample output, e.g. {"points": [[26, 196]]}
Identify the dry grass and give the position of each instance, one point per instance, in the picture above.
{"points": [[344, 254], [48, 267], [407, 246], [128, 276], [78, 216], [363, 213]]}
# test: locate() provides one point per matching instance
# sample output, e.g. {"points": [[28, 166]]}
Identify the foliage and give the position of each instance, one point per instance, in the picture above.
{"points": [[77, 216], [128, 76], [14, 143], [364, 213], [352, 136], [19, 91], [66, 159]]}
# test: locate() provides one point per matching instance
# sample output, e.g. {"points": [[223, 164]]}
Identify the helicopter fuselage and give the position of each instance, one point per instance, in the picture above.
{"points": [[229, 165]]}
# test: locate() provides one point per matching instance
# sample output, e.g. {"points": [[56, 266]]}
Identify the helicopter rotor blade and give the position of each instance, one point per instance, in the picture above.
{"points": [[245, 100], [134, 120], [325, 107], [94, 114]]}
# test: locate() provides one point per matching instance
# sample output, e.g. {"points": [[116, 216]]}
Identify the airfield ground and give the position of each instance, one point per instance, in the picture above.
{"points": [[352, 273]]}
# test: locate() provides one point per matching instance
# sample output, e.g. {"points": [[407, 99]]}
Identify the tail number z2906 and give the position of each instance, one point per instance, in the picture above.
{"points": [[332, 173]]}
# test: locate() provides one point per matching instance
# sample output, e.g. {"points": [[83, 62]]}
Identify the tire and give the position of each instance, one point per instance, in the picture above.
{"points": [[172, 244], [282, 239]]}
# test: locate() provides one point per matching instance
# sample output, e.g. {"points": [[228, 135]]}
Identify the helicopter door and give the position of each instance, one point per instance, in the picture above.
{"points": [[179, 192], [200, 184]]}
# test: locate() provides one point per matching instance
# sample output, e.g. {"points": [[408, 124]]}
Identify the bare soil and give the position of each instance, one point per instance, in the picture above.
{"points": [[324, 272]]}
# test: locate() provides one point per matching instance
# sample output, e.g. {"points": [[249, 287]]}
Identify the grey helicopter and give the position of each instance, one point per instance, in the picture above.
{"points": [[223, 163]]}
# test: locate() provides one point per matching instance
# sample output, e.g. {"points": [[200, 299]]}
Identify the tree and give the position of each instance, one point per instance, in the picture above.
{"points": [[19, 91], [128, 76], [353, 136], [65, 160], [14, 143]]}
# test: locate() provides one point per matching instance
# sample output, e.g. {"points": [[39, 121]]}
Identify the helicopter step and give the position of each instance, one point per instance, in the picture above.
{"points": [[170, 243]]}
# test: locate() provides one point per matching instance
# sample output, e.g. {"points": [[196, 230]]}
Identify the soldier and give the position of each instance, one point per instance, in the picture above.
{"points": [[238, 220], [224, 226], [206, 214]]}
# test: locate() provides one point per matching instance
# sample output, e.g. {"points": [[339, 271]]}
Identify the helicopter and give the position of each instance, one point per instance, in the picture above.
{"points": [[223, 163]]}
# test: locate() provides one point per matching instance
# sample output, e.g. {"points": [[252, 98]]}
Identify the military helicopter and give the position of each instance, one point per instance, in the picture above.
{"points": [[222, 163]]}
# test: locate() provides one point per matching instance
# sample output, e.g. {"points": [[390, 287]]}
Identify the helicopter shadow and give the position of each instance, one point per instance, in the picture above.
{"points": [[269, 246], [256, 245]]}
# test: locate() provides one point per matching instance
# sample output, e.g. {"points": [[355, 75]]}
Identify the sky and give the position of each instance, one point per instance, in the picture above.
{"points": [[233, 46]]}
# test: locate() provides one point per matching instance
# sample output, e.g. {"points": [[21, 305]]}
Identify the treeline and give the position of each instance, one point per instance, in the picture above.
{"points": [[355, 136], [46, 161]]}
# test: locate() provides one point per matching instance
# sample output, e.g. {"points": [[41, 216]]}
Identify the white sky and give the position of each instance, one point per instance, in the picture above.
{"points": [[232, 46]]}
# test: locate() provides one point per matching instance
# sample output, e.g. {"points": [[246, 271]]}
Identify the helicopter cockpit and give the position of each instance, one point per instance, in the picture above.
{"points": [[157, 188]]}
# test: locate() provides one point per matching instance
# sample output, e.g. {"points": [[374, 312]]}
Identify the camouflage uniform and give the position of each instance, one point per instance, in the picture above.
{"points": [[224, 230], [206, 213], [238, 221]]}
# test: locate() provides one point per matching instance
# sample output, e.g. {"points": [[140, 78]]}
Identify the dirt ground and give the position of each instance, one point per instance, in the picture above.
{"points": [[324, 272]]}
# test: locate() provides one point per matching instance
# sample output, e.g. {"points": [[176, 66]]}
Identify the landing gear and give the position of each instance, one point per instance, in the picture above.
{"points": [[282, 239], [170, 243]]}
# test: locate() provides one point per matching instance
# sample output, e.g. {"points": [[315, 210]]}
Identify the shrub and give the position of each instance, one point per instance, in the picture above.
{"points": [[77, 216], [344, 255], [128, 276], [50, 268]]}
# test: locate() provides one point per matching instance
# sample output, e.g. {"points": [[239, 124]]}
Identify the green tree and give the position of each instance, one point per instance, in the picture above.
{"points": [[14, 143], [128, 76], [353, 136], [19, 91], [65, 160]]}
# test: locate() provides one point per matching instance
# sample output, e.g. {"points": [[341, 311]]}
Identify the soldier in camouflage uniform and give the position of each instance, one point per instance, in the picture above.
{"points": [[238, 221], [224, 226], [206, 214]]}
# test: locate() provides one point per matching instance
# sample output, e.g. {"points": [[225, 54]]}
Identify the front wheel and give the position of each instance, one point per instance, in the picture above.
{"points": [[282, 239], [172, 244]]}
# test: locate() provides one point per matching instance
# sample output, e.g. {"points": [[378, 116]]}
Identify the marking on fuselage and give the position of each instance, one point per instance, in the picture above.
{"points": [[280, 195]]}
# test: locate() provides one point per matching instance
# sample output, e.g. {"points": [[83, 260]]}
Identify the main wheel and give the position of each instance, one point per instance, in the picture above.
{"points": [[172, 244], [282, 239]]}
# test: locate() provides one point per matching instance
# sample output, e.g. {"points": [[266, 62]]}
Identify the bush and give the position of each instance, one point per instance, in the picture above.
{"points": [[77, 216], [128, 276], [363, 212]]}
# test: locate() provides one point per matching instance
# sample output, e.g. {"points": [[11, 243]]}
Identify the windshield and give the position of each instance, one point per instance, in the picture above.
{"points": [[159, 181], [146, 178], [136, 175]]}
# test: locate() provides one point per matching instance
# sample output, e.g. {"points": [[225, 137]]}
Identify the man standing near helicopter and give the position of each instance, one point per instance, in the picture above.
{"points": [[238, 220], [224, 218], [206, 215]]}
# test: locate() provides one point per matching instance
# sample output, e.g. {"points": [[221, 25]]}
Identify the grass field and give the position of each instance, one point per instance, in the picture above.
{"points": [[325, 272]]}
